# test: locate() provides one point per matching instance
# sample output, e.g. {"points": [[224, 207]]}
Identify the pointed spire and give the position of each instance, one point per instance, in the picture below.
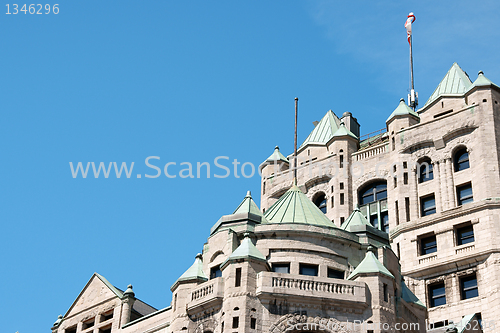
{"points": [[482, 81], [249, 206], [455, 83], [369, 265], [344, 131], [277, 156], [324, 130], [355, 219], [295, 207], [193, 273], [402, 110], [246, 250]]}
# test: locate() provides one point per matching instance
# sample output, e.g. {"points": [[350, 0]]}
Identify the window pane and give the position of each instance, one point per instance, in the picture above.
{"points": [[428, 245], [465, 235], [468, 287], [281, 268], [311, 270], [437, 295], [335, 274]]}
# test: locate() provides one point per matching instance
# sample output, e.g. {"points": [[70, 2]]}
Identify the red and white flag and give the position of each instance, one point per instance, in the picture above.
{"points": [[409, 21]]}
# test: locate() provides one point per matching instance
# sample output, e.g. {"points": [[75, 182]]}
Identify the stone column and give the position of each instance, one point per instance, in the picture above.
{"points": [[437, 167], [451, 185], [443, 184], [414, 214], [128, 300]]}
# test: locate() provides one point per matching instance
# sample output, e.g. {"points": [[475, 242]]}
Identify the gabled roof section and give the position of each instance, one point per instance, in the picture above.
{"points": [[246, 250], [355, 219], [370, 265], [95, 282], [277, 156], [344, 131], [454, 83], [195, 272], [249, 206], [402, 110], [482, 81], [295, 207], [324, 131], [410, 297]]}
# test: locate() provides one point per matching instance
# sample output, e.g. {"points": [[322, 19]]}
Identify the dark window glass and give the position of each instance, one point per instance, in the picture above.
{"points": [[405, 178], [236, 322], [374, 220], [311, 270], [341, 186], [341, 161], [386, 293], [464, 194], [335, 274], [468, 287], [281, 268], [341, 198], [385, 221], [461, 160], [215, 272], [407, 209], [428, 205], [107, 316], [428, 245], [465, 235], [374, 193], [425, 171], [320, 202], [237, 281], [253, 323], [437, 295]]}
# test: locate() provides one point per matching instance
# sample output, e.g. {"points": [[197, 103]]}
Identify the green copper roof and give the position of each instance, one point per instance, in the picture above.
{"points": [[410, 297], [195, 272], [370, 265], [482, 81], [277, 156], [295, 207], [402, 110], [343, 131], [466, 323], [249, 206], [324, 131], [355, 219], [246, 250], [454, 83]]}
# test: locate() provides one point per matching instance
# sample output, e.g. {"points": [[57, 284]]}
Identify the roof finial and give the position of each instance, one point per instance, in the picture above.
{"points": [[402, 100], [480, 73], [277, 148], [199, 256], [249, 194], [129, 291]]}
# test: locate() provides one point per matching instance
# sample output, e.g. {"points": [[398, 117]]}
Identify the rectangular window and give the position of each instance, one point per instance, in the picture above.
{"points": [[335, 274], [106, 329], [341, 220], [386, 293], [341, 161], [428, 205], [107, 316], [405, 178], [397, 212], [407, 209], [395, 182], [428, 245], [399, 250], [237, 281], [341, 186], [468, 287], [384, 216], [88, 324], [341, 198], [263, 187], [70, 330], [464, 194], [253, 323], [215, 272], [236, 322], [281, 268], [405, 165], [307, 269], [465, 235], [437, 295]]}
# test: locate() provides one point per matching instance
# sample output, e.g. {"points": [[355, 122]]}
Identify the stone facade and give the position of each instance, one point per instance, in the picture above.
{"points": [[421, 245]]}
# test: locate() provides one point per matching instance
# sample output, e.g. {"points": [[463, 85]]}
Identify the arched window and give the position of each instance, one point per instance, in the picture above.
{"points": [[461, 160], [425, 171], [373, 204], [320, 201]]}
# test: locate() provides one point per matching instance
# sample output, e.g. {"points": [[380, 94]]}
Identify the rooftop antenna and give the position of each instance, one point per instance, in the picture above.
{"points": [[295, 144], [413, 95]]}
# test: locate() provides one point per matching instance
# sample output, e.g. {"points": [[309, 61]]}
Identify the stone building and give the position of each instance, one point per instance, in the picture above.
{"points": [[376, 234]]}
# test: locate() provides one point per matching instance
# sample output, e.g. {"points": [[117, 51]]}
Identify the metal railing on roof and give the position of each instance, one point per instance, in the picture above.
{"points": [[372, 134]]}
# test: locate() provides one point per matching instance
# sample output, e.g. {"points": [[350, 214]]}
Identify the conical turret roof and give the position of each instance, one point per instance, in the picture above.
{"points": [[344, 131], [295, 207], [410, 297], [482, 81], [324, 130], [455, 83], [370, 265], [195, 272], [246, 250], [277, 156], [355, 219], [402, 110], [249, 206]]}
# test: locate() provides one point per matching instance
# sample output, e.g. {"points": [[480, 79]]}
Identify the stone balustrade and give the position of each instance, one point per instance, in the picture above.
{"points": [[369, 152], [207, 294], [310, 286]]}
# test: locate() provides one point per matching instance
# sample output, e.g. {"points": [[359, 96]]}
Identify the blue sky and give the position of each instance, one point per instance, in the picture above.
{"points": [[187, 81]]}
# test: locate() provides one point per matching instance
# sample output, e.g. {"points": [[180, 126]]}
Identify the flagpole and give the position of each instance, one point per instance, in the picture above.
{"points": [[412, 96], [411, 65], [295, 144]]}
